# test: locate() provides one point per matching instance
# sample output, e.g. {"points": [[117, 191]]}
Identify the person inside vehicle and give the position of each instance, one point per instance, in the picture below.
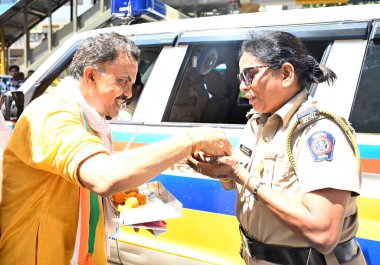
{"points": [[129, 107], [192, 97], [17, 80], [55, 205], [297, 168]]}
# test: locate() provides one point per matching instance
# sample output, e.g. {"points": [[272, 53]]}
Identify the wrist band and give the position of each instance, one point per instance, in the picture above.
{"points": [[255, 190], [246, 182]]}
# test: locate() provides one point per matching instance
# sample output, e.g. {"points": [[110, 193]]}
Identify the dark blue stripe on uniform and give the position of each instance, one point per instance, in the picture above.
{"points": [[200, 194]]}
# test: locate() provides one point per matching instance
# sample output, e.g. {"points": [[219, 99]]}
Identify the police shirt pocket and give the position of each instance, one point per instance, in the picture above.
{"points": [[277, 171]]}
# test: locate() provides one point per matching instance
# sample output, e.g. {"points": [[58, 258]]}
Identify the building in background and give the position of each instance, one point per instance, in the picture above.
{"points": [[60, 18]]}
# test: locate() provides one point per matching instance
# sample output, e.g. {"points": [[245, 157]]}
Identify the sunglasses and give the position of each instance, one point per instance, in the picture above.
{"points": [[247, 75]]}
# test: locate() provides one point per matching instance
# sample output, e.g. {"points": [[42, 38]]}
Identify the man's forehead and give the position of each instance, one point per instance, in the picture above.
{"points": [[122, 61]]}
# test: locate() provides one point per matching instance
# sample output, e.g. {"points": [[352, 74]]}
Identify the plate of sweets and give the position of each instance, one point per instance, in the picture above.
{"points": [[148, 203]]}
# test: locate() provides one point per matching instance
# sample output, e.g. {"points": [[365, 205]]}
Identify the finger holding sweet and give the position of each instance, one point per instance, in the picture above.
{"points": [[211, 141], [214, 170], [239, 172]]}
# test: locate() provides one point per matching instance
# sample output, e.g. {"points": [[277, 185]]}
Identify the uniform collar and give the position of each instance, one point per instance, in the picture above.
{"points": [[272, 123], [290, 107]]}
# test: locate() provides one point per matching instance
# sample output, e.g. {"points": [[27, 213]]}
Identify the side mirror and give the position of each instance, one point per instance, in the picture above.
{"points": [[13, 104]]}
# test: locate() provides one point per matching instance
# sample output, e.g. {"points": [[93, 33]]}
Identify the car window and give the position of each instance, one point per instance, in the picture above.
{"points": [[365, 113], [148, 57], [207, 89], [207, 83]]}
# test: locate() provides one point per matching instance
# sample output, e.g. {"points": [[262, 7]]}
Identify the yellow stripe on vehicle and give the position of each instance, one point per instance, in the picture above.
{"points": [[203, 236], [369, 217]]}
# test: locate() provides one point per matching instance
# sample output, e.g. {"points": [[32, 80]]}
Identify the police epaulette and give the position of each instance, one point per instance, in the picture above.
{"points": [[308, 116]]}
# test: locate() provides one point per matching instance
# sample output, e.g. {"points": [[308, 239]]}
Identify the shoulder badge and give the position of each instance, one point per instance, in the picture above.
{"points": [[307, 116], [321, 146]]}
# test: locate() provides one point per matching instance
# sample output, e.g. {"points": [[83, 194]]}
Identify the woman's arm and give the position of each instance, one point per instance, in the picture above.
{"points": [[317, 218]]}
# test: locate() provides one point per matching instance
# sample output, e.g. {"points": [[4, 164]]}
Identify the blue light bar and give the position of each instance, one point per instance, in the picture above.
{"points": [[139, 8]]}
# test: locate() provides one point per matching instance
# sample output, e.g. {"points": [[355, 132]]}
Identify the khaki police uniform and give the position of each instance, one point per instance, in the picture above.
{"points": [[262, 150]]}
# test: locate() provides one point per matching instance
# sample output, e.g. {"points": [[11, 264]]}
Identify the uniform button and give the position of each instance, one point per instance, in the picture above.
{"points": [[266, 139]]}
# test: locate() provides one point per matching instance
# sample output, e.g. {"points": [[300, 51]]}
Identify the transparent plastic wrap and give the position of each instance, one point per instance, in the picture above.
{"points": [[160, 205]]}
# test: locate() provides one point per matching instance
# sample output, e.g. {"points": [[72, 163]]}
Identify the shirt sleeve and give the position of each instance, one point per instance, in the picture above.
{"points": [[325, 159], [56, 139]]}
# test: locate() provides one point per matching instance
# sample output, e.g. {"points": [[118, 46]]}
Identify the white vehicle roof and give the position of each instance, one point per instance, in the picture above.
{"points": [[227, 23]]}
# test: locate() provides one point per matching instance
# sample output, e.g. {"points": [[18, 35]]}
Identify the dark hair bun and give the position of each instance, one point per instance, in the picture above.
{"points": [[314, 69]]}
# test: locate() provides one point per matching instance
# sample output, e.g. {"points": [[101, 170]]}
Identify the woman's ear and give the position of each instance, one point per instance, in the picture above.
{"points": [[288, 74]]}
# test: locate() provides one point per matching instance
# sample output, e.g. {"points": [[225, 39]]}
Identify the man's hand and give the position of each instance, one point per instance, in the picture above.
{"points": [[211, 141]]}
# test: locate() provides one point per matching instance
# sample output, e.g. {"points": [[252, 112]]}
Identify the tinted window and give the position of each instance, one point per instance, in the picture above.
{"points": [[207, 86], [207, 89], [148, 57], [365, 114]]}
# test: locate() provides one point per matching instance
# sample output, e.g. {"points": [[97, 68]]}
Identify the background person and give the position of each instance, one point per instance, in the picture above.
{"points": [[52, 211], [30, 72], [300, 211], [17, 78], [192, 97], [129, 107]]}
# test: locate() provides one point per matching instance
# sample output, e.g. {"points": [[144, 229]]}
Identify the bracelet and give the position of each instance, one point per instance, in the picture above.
{"points": [[225, 180], [256, 189], [245, 184]]}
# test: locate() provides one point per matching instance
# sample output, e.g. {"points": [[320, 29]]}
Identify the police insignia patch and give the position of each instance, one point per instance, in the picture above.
{"points": [[321, 146]]}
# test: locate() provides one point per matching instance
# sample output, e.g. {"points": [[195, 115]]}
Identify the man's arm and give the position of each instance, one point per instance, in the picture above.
{"points": [[108, 175]]}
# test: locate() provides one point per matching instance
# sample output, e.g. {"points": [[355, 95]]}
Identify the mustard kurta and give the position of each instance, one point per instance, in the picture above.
{"points": [[39, 211]]}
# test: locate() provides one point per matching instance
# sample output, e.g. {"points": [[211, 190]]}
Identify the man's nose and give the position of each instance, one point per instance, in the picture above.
{"points": [[127, 92]]}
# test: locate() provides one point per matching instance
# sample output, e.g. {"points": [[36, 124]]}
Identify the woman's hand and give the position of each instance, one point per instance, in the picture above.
{"points": [[223, 168]]}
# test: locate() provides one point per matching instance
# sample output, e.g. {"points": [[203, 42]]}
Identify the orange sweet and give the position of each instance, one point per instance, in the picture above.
{"points": [[141, 198], [131, 194], [119, 197]]}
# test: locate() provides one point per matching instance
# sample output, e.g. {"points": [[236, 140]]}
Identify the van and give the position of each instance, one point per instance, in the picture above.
{"points": [[346, 39]]}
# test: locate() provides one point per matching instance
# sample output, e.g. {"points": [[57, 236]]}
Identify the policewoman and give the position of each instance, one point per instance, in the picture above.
{"points": [[296, 169]]}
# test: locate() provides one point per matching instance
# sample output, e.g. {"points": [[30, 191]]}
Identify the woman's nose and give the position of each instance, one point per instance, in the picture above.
{"points": [[244, 87]]}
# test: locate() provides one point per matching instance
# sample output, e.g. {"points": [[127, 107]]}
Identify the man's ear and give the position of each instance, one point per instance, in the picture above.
{"points": [[89, 75], [288, 74]]}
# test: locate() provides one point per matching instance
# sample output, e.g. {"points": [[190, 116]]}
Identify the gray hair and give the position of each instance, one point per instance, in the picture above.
{"points": [[99, 49]]}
